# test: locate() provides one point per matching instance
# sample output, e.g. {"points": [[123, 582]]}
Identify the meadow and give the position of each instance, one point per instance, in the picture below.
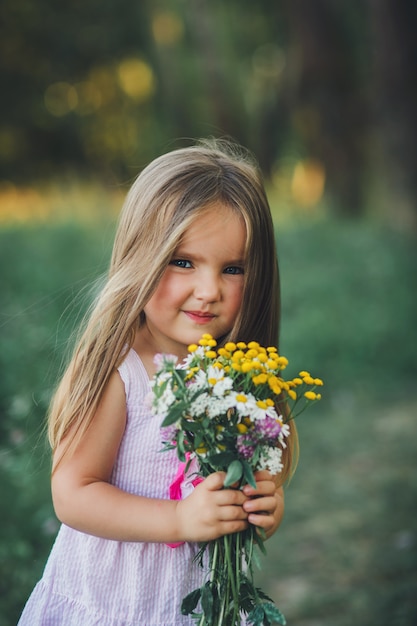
{"points": [[346, 553]]}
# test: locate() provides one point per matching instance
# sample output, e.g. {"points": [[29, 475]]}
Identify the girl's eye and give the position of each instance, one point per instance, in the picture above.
{"points": [[234, 269], [181, 263]]}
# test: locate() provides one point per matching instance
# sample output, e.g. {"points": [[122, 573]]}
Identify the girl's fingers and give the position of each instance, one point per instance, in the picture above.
{"points": [[214, 481], [223, 497], [260, 505], [262, 521], [263, 475], [263, 488], [229, 513]]}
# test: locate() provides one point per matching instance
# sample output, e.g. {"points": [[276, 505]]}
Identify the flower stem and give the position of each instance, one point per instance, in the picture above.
{"points": [[238, 566]]}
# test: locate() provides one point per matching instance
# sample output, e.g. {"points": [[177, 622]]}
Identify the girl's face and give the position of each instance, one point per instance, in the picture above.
{"points": [[201, 289]]}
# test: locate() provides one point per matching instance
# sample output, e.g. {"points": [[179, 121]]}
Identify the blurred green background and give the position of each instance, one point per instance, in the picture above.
{"points": [[325, 95]]}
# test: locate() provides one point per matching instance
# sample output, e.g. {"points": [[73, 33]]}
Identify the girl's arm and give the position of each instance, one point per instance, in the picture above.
{"points": [[85, 500]]}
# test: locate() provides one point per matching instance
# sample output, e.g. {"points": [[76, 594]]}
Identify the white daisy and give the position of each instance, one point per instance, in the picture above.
{"points": [[270, 459]]}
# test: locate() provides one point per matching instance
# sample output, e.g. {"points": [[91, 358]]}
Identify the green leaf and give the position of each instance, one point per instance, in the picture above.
{"points": [[256, 560], [207, 601], [190, 602], [190, 425], [221, 460], [248, 474], [180, 374], [257, 616], [261, 594], [180, 446], [199, 557], [160, 388], [174, 414], [247, 594], [260, 540], [266, 614], [274, 614], [234, 473]]}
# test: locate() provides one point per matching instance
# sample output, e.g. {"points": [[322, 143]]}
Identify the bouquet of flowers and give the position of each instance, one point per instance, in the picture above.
{"points": [[220, 406]]}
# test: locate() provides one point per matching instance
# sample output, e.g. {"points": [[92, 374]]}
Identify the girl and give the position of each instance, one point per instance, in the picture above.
{"points": [[194, 253]]}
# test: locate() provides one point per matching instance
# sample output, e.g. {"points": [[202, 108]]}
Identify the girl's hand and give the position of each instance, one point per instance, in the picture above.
{"points": [[210, 511], [265, 504]]}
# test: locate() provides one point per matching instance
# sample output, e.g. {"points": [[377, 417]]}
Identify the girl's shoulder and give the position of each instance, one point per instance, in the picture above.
{"points": [[132, 371]]}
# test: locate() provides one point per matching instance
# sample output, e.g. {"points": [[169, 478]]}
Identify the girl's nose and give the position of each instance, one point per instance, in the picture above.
{"points": [[207, 288]]}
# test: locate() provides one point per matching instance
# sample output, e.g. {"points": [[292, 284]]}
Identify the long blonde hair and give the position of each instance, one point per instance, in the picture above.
{"points": [[166, 197]]}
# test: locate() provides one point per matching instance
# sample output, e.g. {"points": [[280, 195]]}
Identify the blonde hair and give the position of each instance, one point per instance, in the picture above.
{"points": [[166, 197]]}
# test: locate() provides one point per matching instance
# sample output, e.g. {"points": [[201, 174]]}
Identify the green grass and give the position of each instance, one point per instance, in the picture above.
{"points": [[346, 552]]}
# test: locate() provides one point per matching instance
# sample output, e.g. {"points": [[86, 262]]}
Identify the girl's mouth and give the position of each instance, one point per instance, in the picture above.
{"points": [[199, 317]]}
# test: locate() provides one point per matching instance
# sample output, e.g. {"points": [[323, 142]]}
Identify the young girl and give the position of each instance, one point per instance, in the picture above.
{"points": [[194, 253]]}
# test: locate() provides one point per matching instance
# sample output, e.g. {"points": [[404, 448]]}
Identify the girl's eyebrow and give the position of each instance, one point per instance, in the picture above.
{"points": [[188, 254]]}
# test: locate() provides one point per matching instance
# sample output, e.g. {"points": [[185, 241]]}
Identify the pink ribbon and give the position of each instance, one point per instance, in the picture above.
{"points": [[175, 490]]}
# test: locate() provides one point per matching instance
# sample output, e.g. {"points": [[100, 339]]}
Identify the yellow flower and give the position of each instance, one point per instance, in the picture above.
{"points": [[236, 356], [246, 367], [260, 379], [211, 354], [259, 365], [230, 346], [282, 362], [262, 357], [202, 449], [241, 345], [236, 366], [308, 380], [304, 373], [192, 347], [242, 428], [273, 365], [251, 354], [192, 372], [272, 380], [310, 395], [271, 349], [297, 381], [318, 382], [224, 352], [292, 394], [207, 340], [253, 345]]}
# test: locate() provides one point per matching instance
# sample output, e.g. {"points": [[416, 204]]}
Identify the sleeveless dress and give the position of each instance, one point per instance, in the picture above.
{"points": [[89, 581]]}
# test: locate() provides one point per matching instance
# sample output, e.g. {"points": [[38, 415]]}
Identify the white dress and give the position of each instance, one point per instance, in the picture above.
{"points": [[89, 581]]}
